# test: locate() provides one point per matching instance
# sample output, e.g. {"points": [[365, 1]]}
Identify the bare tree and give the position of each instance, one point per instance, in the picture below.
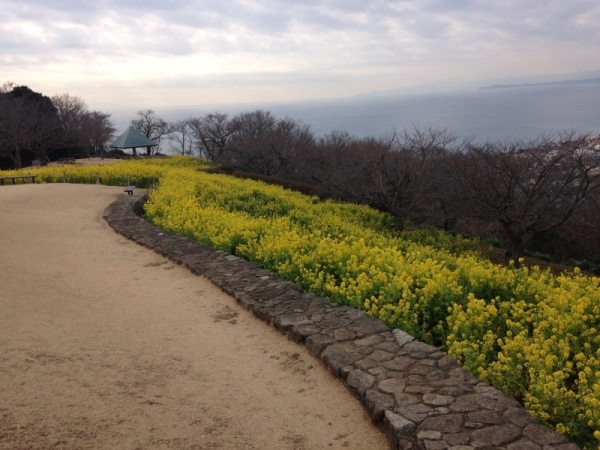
{"points": [[253, 124], [337, 165], [420, 179], [264, 145], [390, 173], [581, 231], [528, 188], [288, 145], [249, 142], [87, 130], [151, 126], [99, 130], [180, 137], [331, 165], [212, 135], [72, 112]]}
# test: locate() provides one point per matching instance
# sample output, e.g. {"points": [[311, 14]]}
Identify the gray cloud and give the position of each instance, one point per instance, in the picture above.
{"points": [[408, 40]]}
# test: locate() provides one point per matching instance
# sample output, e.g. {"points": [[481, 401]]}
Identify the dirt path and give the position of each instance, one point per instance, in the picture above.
{"points": [[105, 344]]}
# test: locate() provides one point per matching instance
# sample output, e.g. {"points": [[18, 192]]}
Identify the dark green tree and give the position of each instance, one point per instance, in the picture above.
{"points": [[29, 125]]}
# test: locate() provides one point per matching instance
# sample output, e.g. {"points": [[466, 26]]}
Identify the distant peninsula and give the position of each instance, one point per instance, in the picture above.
{"points": [[548, 83]]}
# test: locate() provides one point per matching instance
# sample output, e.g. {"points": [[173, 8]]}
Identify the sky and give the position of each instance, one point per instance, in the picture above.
{"points": [[151, 53]]}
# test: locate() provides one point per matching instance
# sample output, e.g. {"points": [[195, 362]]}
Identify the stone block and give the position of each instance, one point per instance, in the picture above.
{"points": [[317, 343], [523, 444], [393, 386], [450, 423], [429, 434], [338, 355], [485, 417], [377, 403], [543, 435], [495, 436], [519, 417], [437, 400], [402, 338], [285, 322], [360, 381], [399, 363], [401, 426], [299, 332]]}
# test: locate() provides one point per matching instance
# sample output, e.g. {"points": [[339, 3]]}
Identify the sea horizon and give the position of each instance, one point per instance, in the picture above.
{"points": [[508, 114]]}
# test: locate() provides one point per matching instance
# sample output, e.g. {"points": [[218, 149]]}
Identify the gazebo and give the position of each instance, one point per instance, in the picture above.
{"points": [[133, 139]]}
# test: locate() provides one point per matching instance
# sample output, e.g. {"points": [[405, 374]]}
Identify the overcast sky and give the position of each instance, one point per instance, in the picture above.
{"points": [[152, 53]]}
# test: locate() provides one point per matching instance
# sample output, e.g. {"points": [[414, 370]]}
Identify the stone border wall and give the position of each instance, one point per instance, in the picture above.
{"points": [[420, 397]]}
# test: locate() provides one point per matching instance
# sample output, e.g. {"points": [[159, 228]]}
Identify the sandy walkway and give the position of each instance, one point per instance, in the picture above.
{"points": [[105, 344]]}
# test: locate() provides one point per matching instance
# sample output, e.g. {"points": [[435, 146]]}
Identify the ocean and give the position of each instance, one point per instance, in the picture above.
{"points": [[507, 114]]}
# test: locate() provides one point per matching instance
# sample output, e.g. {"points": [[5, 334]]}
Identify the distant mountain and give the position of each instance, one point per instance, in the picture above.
{"points": [[547, 83]]}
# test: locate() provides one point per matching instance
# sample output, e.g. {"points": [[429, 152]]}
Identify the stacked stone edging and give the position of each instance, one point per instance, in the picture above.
{"points": [[420, 397]]}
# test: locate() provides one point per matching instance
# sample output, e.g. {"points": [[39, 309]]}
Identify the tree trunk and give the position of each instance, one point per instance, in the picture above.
{"points": [[517, 247], [16, 159]]}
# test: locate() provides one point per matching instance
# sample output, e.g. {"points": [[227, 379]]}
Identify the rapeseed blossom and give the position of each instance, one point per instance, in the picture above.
{"points": [[519, 329]]}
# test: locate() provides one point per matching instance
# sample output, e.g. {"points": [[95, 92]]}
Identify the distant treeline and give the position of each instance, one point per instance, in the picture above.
{"points": [[541, 195], [36, 127]]}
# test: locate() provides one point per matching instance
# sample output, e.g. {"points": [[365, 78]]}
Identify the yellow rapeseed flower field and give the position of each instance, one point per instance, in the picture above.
{"points": [[528, 332]]}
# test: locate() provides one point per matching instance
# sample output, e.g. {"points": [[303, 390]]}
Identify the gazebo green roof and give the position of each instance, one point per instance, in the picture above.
{"points": [[132, 138]]}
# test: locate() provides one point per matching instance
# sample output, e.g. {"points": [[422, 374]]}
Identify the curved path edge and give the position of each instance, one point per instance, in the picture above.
{"points": [[420, 397]]}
